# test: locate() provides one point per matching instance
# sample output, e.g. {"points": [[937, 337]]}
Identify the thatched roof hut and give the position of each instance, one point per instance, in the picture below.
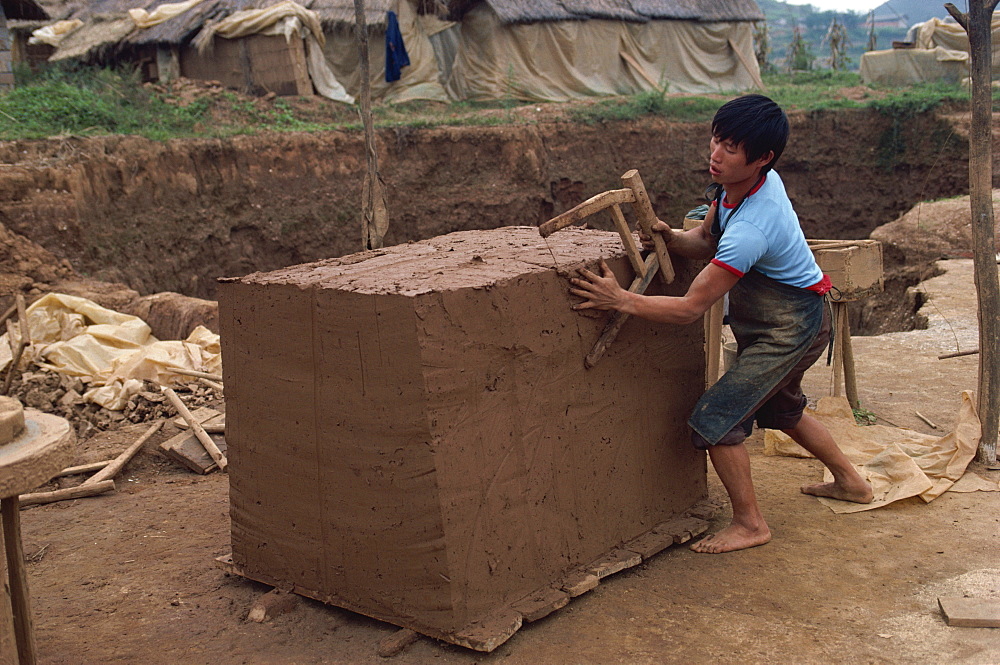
{"points": [[556, 50]]}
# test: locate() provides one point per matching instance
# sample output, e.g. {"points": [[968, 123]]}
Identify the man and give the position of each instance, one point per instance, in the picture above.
{"points": [[777, 313]]}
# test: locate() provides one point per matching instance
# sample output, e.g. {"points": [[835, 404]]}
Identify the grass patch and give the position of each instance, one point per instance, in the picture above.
{"points": [[863, 416], [652, 102], [80, 100]]}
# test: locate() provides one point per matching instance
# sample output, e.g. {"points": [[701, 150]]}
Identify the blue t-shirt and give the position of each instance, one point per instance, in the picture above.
{"points": [[764, 234]]}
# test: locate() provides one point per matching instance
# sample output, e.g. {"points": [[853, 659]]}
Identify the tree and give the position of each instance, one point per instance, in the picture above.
{"points": [[799, 57], [836, 39], [977, 23], [762, 47]]}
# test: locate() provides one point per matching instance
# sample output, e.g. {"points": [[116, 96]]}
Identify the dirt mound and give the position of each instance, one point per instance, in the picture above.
{"points": [[934, 230]]}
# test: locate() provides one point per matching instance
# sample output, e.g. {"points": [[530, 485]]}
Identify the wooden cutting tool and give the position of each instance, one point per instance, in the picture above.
{"points": [[634, 193]]}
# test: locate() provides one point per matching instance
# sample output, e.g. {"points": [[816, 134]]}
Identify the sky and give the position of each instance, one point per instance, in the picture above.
{"points": [[840, 5]]}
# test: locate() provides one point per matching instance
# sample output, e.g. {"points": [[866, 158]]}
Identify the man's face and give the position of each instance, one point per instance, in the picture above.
{"points": [[727, 163]]}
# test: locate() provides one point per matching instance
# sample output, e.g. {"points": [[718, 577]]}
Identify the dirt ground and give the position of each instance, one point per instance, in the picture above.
{"points": [[130, 577]]}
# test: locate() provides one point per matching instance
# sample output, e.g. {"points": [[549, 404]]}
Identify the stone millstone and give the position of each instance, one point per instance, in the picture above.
{"points": [[11, 419], [34, 447]]}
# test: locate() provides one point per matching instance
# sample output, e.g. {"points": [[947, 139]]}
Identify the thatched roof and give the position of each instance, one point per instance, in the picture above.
{"points": [[531, 11], [26, 10]]}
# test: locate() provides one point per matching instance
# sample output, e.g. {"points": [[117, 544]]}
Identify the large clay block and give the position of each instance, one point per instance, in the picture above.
{"points": [[413, 435], [855, 270]]}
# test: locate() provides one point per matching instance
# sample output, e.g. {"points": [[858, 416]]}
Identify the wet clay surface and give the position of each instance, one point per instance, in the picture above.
{"points": [[412, 433], [129, 577]]}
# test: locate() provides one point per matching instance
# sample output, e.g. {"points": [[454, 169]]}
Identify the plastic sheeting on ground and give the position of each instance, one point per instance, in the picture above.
{"points": [[899, 463], [113, 353]]}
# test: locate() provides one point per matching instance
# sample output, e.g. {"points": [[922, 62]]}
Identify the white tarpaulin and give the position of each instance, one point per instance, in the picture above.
{"points": [[419, 80], [145, 19], [564, 60], [112, 353], [899, 463], [54, 34], [910, 66], [290, 20]]}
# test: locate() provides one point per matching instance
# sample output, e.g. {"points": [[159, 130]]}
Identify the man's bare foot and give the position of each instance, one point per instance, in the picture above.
{"points": [[733, 537], [857, 493]]}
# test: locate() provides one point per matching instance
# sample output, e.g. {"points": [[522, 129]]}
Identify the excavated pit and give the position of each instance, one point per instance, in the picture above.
{"points": [[177, 216]]}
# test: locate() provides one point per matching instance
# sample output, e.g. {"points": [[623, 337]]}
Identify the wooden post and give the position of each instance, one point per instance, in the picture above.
{"points": [[713, 342], [847, 354], [18, 578], [374, 209], [978, 24]]}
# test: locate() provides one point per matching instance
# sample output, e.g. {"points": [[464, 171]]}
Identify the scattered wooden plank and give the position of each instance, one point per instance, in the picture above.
{"points": [[111, 470], [203, 414], [488, 634], [185, 449], [396, 643], [273, 603], [683, 529], [650, 544], [77, 492], [541, 603], [579, 583], [971, 612], [613, 562], [214, 385], [199, 432]]}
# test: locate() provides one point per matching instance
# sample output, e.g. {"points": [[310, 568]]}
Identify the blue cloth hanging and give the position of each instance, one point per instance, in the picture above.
{"points": [[395, 51]]}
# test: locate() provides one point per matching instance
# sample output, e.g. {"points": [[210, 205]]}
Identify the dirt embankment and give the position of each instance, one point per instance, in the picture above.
{"points": [[175, 216]]}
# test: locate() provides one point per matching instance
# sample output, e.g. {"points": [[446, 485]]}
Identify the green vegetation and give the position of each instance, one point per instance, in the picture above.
{"points": [[89, 102], [863, 416]]}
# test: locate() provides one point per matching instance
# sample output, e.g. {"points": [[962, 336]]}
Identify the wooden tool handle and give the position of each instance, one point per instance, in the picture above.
{"points": [[595, 203], [647, 217], [618, 319]]}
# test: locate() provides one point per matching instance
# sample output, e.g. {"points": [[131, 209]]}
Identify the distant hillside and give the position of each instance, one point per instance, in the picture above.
{"points": [[912, 11], [892, 19]]}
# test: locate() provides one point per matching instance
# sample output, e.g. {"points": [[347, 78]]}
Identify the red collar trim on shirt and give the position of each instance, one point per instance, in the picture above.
{"points": [[760, 183]]}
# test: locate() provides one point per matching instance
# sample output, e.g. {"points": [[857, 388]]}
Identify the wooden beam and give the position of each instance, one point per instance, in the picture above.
{"points": [[111, 470], [20, 603], [78, 492], [199, 431]]}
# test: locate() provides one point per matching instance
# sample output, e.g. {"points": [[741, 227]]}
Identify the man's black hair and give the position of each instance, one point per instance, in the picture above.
{"points": [[755, 122]]}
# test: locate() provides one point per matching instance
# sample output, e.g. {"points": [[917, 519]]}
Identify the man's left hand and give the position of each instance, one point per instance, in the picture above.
{"points": [[598, 291]]}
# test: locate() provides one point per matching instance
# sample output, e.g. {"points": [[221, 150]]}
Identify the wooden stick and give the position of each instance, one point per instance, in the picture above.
{"points": [[395, 644], [753, 75], [214, 385], [20, 603], [191, 372], [15, 361], [595, 203], [631, 249], [618, 319], [639, 69], [647, 217], [78, 492], [926, 420], [83, 468], [847, 354], [958, 354], [199, 431], [111, 470], [9, 313]]}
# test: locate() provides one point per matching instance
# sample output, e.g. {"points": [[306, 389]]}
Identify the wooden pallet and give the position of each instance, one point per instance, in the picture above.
{"points": [[489, 633]]}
